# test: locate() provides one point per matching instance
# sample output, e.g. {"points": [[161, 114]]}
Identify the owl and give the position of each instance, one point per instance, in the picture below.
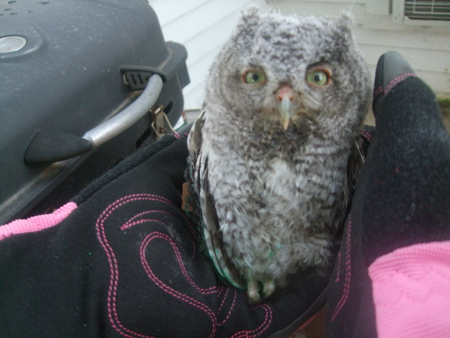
{"points": [[270, 153]]}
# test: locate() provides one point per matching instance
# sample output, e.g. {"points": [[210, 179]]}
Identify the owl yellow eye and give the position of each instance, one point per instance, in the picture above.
{"points": [[319, 77], [254, 76]]}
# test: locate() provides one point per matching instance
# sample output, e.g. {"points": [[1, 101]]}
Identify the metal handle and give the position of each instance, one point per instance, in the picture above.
{"points": [[128, 116]]}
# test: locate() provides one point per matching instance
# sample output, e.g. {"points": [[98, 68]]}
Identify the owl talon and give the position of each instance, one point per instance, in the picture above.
{"points": [[253, 289], [268, 288], [253, 292]]}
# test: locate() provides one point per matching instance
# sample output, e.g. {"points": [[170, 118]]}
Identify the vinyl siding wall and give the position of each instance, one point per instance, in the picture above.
{"points": [[202, 26]]}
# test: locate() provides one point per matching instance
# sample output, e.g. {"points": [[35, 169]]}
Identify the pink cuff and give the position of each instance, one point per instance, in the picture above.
{"points": [[411, 291], [36, 223]]}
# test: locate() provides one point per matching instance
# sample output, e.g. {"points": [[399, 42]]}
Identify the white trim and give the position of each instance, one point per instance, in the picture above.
{"points": [[398, 16], [378, 7]]}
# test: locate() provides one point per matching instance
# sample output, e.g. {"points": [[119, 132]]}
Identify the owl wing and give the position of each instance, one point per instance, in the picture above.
{"points": [[205, 209], [354, 164]]}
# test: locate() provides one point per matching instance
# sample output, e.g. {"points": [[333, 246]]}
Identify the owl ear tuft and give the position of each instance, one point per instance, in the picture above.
{"points": [[247, 26], [250, 17], [345, 22]]}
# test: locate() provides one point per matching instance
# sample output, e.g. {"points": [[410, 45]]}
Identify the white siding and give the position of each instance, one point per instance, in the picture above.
{"points": [[427, 48], [202, 26]]}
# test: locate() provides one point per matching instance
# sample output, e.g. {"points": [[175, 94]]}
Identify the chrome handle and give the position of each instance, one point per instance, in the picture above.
{"points": [[120, 122]]}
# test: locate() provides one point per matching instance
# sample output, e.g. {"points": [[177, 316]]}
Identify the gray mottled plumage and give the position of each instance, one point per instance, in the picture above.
{"points": [[285, 99]]}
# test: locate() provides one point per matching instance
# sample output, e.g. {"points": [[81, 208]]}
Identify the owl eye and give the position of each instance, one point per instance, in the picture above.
{"points": [[319, 77], [254, 76]]}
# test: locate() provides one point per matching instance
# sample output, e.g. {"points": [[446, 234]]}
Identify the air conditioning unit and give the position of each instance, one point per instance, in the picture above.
{"points": [[422, 12]]}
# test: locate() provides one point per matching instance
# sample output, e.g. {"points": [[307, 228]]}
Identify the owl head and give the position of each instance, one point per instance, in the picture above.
{"points": [[283, 70]]}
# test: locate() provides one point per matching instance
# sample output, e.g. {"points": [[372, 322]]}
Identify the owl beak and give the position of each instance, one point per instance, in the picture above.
{"points": [[285, 112], [285, 96]]}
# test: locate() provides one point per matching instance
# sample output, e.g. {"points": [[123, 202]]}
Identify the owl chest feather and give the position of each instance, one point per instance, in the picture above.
{"points": [[287, 189], [273, 210], [299, 188]]}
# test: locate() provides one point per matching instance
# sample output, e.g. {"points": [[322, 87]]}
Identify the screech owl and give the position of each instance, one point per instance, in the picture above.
{"points": [[269, 154]]}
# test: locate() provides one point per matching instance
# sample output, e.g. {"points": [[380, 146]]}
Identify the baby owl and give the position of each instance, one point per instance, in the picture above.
{"points": [[285, 100]]}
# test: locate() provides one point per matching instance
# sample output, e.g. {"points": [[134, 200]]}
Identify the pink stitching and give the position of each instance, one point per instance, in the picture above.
{"points": [[231, 308], [150, 197], [348, 272], [204, 291], [168, 289], [131, 222], [223, 301], [378, 91], [182, 267], [366, 135], [114, 278], [114, 271], [267, 321], [134, 197], [112, 261], [219, 290], [391, 84], [397, 80]]}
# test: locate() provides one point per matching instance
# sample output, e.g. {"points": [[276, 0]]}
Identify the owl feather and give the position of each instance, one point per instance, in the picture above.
{"points": [[274, 153]]}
